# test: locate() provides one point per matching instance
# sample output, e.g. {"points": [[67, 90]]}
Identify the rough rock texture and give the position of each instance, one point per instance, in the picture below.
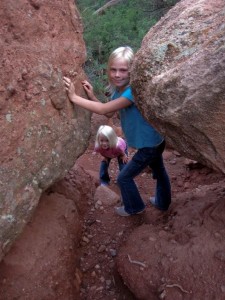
{"points": [[105, 196], [184, 249], [41, 135], [178, 77], [43, 261]]}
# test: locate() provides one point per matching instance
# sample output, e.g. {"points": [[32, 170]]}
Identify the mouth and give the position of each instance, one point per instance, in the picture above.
{"points": [[118, 81]]}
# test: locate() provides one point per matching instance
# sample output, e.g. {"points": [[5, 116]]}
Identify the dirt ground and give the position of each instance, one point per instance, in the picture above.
{"points": [[126, 243], [171, 255]]}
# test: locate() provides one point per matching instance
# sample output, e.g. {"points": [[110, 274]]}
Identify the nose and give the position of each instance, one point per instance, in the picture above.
{"points": [[117, 73]]}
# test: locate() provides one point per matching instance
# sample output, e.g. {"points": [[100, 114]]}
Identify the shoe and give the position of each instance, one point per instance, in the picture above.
{"points": [[121, 212], [152, 201], [104, 184]]}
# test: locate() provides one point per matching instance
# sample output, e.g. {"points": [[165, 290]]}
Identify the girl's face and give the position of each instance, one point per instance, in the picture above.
{"points": [[103, 142], [119, 74]]}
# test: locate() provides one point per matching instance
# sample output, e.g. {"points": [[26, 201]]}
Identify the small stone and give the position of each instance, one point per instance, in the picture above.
{"points": [[85, 239], [220, 255], [223, 288], [108, 282], [113, 252], [99, 202], [11, 90], [101, 248]]}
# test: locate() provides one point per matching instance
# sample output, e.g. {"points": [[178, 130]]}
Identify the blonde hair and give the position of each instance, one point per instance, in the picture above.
{"points": [[109, 133], [127, 54]]}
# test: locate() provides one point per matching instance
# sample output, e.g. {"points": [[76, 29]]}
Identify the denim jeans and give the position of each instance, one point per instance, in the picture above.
{"points": [[144, 157], [104, 174]]}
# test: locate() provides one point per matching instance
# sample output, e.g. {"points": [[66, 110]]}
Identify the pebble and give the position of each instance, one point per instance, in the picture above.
{"points": [[85, 239], [187, 185], [113, 252], [220, 255], [173, 162], [108, 282], [223, 288], [93, 274], [101, 248]]}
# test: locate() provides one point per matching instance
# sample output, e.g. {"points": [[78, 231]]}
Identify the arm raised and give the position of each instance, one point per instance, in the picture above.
{"points": [[94, 106]]}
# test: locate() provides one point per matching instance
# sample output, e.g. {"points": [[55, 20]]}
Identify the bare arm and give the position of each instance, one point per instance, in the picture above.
{"points": [[94, 106]]}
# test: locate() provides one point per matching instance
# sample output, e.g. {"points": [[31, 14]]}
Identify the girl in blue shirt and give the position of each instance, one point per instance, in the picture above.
{"points": [[138, 132]]}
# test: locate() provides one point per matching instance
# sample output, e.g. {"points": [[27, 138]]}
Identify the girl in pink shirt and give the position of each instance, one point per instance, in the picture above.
{"points": [[109, 145]]}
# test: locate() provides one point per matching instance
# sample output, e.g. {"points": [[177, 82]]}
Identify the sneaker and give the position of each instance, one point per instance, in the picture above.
{"points": [[121, 212], [152, 201], [104, 184]]}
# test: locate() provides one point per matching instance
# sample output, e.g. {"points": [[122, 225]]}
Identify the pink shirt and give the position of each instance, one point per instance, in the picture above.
{"points": [[113, 152]]}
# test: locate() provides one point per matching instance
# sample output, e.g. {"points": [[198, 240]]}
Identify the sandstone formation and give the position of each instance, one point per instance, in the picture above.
{"points": [[178, 77], [43, 262], [41, 133], [179, 255]]}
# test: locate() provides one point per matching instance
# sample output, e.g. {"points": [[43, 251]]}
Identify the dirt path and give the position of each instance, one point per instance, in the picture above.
{"points": [[104, 232]]}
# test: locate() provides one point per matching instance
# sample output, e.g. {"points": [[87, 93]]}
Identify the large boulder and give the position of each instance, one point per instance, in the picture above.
{"points": [[43, 262], [178, 78], [41, 134]]}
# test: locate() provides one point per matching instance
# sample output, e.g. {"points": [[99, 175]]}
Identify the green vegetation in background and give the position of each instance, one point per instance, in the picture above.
{"points": [[125, 23]]}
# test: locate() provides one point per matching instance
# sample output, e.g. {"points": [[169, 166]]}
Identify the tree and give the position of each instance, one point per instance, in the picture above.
{"points": [[105, 6]]}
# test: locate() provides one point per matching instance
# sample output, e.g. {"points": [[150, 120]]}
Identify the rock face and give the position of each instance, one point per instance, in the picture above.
{"points": [[178, 77], [178, 256], [42, 262], [41, 133]]}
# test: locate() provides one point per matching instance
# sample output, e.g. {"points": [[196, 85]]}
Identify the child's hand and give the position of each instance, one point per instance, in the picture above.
{"points": [[124, 158], [88, 89], [69, 87]]}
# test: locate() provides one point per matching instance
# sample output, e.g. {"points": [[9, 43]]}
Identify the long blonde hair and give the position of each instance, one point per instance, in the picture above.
{"points": [[109, 133], [127, 54]]}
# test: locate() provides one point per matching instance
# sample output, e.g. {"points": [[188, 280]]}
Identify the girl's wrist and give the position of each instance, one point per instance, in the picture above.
{"points": [[73, 98]]}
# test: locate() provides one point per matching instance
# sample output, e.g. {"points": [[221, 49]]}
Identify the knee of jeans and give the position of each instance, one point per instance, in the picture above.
{"points": [[120, 179]]}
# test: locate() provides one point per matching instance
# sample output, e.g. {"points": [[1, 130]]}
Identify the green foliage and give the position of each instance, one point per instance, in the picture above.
{"points": [[97, 76], [122, 24], [125, 23]]}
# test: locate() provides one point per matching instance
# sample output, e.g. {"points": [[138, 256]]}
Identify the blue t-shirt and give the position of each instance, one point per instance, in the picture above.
{"points": [[138, 132]]}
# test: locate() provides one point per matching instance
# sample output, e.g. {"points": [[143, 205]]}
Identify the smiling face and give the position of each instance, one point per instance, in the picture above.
{"points": [[119, 74], [103, 142]]}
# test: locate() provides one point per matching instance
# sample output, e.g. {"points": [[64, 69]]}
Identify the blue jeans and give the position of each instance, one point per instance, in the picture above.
{"points": [[104, 174], [144, 157]]}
